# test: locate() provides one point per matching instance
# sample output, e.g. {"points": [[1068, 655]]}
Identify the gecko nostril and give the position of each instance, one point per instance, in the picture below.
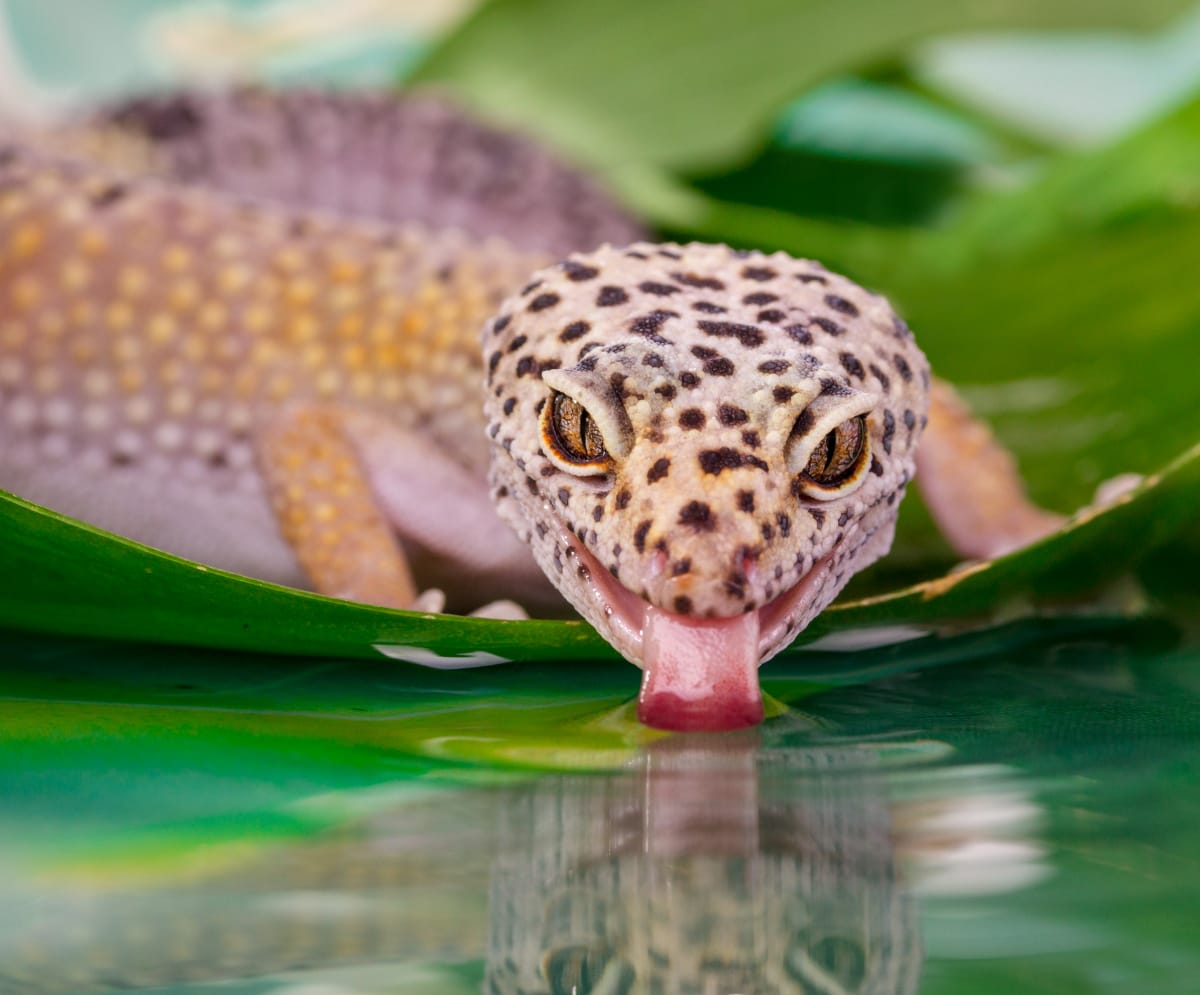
{"points": [[750, 567], [658, 563]]}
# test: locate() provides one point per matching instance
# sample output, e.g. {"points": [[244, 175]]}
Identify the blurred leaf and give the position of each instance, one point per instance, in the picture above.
{"points": [[693, 84]]}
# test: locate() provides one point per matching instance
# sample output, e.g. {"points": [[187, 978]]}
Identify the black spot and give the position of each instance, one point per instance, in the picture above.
{"points": [[759, 298], [716, 461], [876, 466], [833, 388], [751, 439], [811, 278], [746, 501], [493, 362], [525, 365], [841, 305], [681, 567], [548, 364], [109, 195], [501, 323], [828, 325], [784, 523], [747, 335], [817, 516], [623, 498], [669, 254], [688, 379], [578, 272], [902, 368], [730, 414], [707, 307], [587, 365], [768, 532], [516, 343], [683, 605], [692, 418], [529, 288], [910, 420], [698, 515], [611, 296], [695, 280], [650, 324], [658, 471], [884, 381], [564, 495], [509, 405], [852, 366], [652, 359], [719, 367], [759, 273], [666, 391], [783, 394], [800, 333], [900, 328], [597, 513], [772, 316], [889, 429], [774, 366], [531, 486], [543, 301], [575, 330], [803, 423], [657, 289], [845, 516], [619, 347], [703, 352], [639, 536]]}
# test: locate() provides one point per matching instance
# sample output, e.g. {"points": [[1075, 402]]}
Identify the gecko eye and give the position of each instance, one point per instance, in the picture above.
{"points": [[838, 461], [572, 439]]}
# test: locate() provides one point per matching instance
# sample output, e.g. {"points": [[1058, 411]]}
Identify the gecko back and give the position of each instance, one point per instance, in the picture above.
{"points": [[384, 157]]}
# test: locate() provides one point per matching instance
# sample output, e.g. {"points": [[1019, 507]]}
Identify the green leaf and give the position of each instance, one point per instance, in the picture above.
{"points": [[58, 575], [692, 84]]}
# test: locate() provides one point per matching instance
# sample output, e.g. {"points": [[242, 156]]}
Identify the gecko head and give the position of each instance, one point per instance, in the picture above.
{"points": [[701, 446]]}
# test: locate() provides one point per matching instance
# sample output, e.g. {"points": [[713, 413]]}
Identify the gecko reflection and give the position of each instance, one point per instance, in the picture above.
{"points": [[703, 868], [713, 870]]}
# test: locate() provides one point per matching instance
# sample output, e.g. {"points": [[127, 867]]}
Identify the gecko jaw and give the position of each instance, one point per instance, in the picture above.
{"points": [[704, 675]]}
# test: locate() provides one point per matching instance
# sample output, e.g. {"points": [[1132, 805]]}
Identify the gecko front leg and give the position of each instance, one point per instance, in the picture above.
{"points": [[971, 485], [356, 495], [326, 511]]}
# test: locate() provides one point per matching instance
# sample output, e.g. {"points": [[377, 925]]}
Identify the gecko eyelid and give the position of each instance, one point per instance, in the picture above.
{"points": [[572, 439], [837, 463]]}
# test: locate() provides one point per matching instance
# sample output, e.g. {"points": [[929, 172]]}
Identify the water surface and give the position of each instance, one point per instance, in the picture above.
{"points": [[1024, 819]]}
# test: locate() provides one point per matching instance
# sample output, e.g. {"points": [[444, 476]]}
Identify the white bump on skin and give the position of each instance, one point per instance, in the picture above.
{"points": [[169, 436], [96, 417], [97, 383], [127, 443], [138, 410]]}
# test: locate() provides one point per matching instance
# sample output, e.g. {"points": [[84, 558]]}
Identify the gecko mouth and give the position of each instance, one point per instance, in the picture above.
{"points": [[699, 673]]}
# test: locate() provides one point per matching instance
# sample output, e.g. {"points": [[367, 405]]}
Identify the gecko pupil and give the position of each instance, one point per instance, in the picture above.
{"points": [[576, 434], [837, 456]]}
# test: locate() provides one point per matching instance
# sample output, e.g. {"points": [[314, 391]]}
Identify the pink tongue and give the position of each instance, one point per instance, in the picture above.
{"points": [[700, 674]]}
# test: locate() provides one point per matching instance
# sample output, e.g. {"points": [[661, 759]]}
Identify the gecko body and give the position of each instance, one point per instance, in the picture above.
{"points": [[697, 446]]}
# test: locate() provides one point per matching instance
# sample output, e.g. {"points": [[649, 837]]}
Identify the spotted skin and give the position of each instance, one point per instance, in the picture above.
{"points": [[713, 373], [295, 395]]}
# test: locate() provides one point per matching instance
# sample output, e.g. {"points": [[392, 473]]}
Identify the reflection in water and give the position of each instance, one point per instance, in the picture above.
{"points": [[713, 869], [711, 866]]}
